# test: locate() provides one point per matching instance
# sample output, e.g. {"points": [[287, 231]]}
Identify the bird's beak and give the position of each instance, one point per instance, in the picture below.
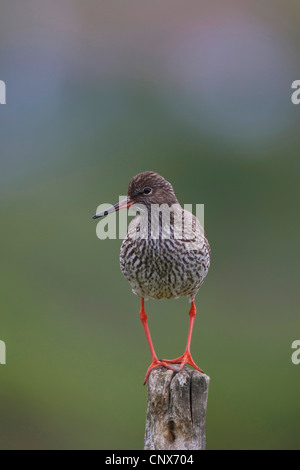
{"points": [[125, 204]]}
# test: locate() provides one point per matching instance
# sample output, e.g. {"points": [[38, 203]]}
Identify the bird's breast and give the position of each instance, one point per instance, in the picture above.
{"points": [[161, 267]]}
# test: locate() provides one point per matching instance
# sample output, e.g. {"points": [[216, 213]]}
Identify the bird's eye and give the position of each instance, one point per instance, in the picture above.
{"points": [[147, 191]]}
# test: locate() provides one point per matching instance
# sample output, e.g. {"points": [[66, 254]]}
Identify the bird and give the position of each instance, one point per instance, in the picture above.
{"points": [[165, 254]]}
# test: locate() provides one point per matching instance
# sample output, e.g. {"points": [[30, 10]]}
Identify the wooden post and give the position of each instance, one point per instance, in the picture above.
{"points": [[176, 411]]}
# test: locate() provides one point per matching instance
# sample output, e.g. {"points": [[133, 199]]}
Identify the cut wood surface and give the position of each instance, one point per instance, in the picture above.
{"points": [[176, 413]]}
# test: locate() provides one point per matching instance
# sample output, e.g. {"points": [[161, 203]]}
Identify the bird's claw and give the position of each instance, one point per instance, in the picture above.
{"points": [[186, 358], [157, 363]]}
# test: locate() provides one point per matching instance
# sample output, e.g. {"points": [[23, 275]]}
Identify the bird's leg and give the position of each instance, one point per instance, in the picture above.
{"points": [[186, 357], [155, 361]]}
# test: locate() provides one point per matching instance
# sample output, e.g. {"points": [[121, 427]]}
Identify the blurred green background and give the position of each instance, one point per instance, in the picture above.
{"points": [[98, 91]]}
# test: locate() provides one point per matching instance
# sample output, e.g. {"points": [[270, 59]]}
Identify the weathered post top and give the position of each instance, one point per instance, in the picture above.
{"points": [[176, 413]]}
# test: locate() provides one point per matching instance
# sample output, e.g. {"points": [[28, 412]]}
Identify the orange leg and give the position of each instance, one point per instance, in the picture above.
{"points": [[186, 357], [155, 361]]}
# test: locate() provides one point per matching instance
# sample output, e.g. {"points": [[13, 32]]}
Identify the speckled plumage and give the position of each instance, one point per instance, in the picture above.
{"points": [[165, 267]]}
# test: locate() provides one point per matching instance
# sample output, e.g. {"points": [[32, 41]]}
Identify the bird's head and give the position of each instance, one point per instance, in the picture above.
{"points": [[145, 189], [150, 188]]}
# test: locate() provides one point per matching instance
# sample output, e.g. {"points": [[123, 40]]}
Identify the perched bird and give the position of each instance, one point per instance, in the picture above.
{"points": [[165, 254]]}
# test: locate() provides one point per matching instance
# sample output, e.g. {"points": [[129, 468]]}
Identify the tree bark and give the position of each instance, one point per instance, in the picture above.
{"points": [[176, 411]]}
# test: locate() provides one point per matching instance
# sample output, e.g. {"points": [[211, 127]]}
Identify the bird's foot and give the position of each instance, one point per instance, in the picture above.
{"points": [[156, 363], [186, 358]]}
